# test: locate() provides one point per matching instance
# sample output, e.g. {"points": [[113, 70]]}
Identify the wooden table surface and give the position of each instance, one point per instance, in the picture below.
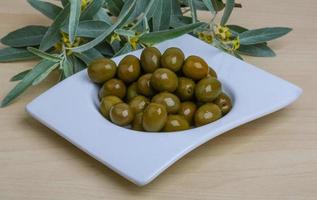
{"points": [[274, 157]]}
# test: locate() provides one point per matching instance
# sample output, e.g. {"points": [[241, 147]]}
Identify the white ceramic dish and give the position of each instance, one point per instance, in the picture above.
{"points": [[71, 110]]}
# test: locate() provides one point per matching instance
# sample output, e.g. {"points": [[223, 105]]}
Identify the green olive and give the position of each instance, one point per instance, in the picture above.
{"points": [[121, 114], [176, 123], [169, 100], [195, 68], [129, 69], [188, 109], [154, 117], [144, 86], [207, 89], [211, 73], [206, 114], [114, 87], [224, 102], [137, 122], [164, 80], [186, 88], [106, 104], [150, 59], [101, 70], [139, 103], [173, 59], [132, 91]]}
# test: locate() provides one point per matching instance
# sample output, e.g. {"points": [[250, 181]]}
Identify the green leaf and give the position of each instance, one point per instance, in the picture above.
{"points": [[26, 36], [37, 70], [121, 19], [146, 11], [105, 49], [209, 5], [257, 50], [89, 28], [162, 16], [125, 49], [125, 32], [73, 19], [114, 6], [10, 54], [151, 8], [48, 9], [92, 9], [176, 8], [20, 75], [193, 11], [236, 30], [52, 35], [198, 4], [45, 74], [227, 12], [44, 55], [102, 15], [218, 5], [64, 3], [89, 55], [67, 67], [156, 37], [262, 35], [77, 64]]}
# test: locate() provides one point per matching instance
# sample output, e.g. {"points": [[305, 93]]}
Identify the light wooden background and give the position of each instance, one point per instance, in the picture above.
{"points": [[271, 158]]}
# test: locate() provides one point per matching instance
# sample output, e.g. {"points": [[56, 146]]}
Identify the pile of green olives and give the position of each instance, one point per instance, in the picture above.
{"points": [[159, 92]]}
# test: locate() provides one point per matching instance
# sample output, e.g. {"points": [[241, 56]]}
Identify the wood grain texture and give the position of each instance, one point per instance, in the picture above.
{"points": [[274, 157]]}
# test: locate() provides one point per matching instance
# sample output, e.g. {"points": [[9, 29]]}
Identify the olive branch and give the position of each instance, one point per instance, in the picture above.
{"points": [[85, 30]]}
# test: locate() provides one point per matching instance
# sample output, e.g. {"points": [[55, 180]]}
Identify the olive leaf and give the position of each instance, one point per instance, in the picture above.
{"points": [[65, 2], [218, 5], [114, 6], [52, 35], [75, 9], [236, 29], [257, 50], [20, 75], [77, 64], [122, 18], [37, 70], [159, 36], [44, 55], [209, 5], [261, 35], [125, 49], [26, 36], [176, 8], [162, 16], [67, 66], [89, 55], [193, 10], [146, 11], [46, 8], [124, 32], [91, 10], [89, 28], [227, 12], [10, 54], [105, 49], [102, 15], [199, 5], [44, 75]]}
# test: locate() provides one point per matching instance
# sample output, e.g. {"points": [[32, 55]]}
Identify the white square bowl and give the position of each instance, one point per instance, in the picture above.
{"points": [[71, 109]]}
